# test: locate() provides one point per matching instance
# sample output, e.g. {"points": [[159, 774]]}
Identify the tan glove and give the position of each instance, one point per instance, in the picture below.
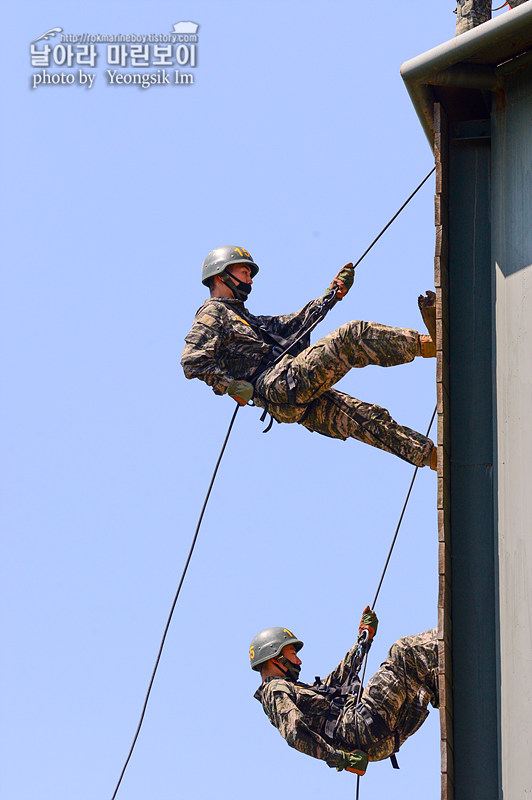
{"points": [[356, 762], [241, 391]]}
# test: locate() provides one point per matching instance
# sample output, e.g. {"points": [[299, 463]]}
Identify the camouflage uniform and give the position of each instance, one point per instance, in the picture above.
{"points": [[225, 344], [471, 13], [392, 707]]}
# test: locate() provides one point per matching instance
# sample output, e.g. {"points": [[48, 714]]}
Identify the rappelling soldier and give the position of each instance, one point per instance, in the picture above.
{"points": [[239, 354], [333, 719]]}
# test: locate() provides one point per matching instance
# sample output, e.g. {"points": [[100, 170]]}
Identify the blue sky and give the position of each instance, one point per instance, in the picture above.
{"points": [[298, 141]]}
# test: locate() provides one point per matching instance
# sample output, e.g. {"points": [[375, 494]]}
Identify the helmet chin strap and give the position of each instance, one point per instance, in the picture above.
{"points": [[292, 670], [240, 289]]}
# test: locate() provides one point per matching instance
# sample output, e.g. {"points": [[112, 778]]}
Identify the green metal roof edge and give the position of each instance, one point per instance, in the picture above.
{"points": [[428, 68]]}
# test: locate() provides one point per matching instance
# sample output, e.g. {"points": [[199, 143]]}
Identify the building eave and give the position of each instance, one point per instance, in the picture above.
{"points": [[478, 59]]}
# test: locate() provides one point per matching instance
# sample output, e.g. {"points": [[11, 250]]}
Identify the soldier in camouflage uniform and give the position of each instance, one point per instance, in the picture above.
{"points": [[373, 727], [471, 13], [232, 351]]}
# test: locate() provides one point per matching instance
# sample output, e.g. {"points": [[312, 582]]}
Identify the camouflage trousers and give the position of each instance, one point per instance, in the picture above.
{"points": [[398, 695], [298, 389], [471, 13]]}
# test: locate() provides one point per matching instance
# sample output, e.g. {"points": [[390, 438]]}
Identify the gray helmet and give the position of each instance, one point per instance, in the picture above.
{"points": [[222, 257], [269, 643]]}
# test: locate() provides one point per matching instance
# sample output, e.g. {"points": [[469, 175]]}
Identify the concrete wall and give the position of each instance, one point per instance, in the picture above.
{"points": [[512, 265]]}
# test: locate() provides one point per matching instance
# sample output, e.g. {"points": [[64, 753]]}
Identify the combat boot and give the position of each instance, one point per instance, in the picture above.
{"points": [[427, 306], [426, 347]]}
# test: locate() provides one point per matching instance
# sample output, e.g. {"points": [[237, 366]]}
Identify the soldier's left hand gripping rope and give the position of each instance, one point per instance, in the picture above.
{"points": [[356, 762]]}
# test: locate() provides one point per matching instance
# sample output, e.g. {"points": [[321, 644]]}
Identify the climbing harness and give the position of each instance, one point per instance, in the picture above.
{"points": [[282, 347], [338, 694], [309, 325]]}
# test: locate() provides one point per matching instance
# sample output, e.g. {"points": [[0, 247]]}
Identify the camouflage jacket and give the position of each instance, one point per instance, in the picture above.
{"points": [[299, 711], [224, 343]]}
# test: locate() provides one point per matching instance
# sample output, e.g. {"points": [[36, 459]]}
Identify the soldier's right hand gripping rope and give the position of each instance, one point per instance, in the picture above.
{"points": [[344, 281], [357, 761], [352, 685], [368, 622]]}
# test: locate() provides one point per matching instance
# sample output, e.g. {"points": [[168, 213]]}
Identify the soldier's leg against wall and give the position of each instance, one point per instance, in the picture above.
{"points": [[414, 714], [318, 367], [402, 687], [341, 416], [355, 344]]}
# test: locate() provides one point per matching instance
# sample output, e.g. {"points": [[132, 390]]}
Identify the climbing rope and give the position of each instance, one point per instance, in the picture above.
{"points": [[400, 518], [167, 626], [328, 305], [408, 199], [365, 657]]}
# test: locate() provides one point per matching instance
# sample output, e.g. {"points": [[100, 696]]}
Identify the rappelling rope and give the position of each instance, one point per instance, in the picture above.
{"points": [[408, 199], [365, 658], [200, 519], [401, 518], [167, 626]]}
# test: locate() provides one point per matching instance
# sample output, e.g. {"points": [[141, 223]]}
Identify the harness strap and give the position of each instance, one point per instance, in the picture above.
{"points": [[270, 423], [264, 363], [278, 343], [333, 715], [281, 346], [380, 730], [291, 386], [338, 695]]}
